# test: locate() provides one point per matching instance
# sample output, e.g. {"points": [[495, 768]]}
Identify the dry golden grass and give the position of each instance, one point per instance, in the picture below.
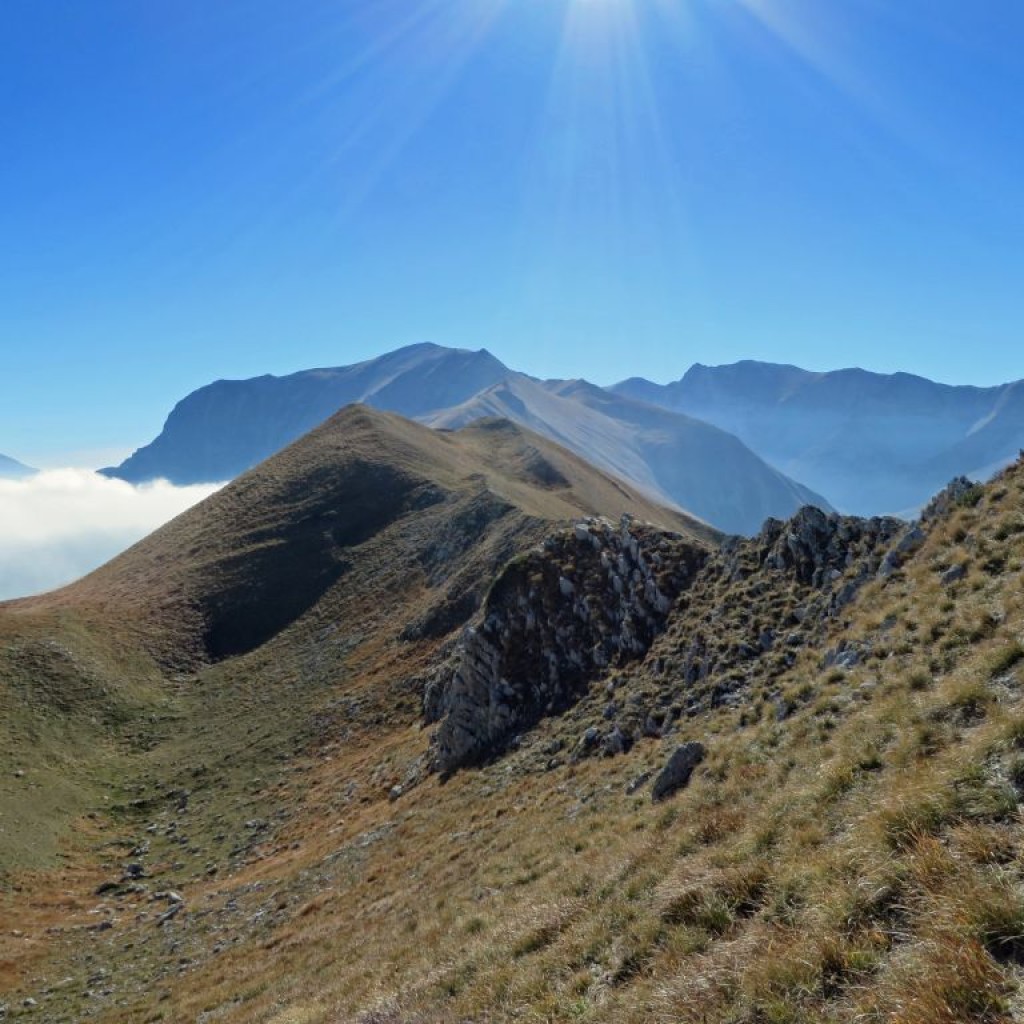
{"points": [[860, 859]]}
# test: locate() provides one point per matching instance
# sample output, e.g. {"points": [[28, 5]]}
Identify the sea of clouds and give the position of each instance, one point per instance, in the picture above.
{"points": [[61, 523]]}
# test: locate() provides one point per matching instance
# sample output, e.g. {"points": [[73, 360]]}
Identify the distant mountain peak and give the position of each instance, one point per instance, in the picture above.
{"points": [[222, 430], [227, 427], [12, 469]]}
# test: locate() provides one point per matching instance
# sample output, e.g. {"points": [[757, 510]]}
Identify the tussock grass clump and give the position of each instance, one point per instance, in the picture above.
{"points": [[1005, 659]]}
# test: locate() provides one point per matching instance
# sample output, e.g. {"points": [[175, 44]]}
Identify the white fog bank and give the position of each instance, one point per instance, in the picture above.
{"points": [[61, 523]]}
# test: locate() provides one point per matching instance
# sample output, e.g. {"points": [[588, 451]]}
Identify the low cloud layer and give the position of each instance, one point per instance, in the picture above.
{"points": [[62, 523]]}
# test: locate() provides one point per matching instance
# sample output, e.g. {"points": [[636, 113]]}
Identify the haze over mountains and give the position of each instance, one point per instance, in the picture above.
{"points": [[732, 444], [871, 443], [224, 428]]}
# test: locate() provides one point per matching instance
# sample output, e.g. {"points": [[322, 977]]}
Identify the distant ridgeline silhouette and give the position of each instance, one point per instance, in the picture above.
{"points": [[732, 445], [873, 443], [12, 469]]}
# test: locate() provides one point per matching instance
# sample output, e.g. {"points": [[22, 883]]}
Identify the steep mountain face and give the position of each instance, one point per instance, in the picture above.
{"points": [[227, 427], [221, 430], [873, 443], [11, 469], [676, 459], [549, 750]]}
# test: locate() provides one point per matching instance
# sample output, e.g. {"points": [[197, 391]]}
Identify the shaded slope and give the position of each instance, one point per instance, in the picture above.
{"points": [[874, 443], [228, 574], [676, 459]]}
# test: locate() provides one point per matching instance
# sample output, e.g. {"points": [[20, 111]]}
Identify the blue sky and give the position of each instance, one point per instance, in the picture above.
{"points": [[600, 188]]}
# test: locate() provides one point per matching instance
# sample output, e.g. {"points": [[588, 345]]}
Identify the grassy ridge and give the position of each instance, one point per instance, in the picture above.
{"points": [[850, 850]]}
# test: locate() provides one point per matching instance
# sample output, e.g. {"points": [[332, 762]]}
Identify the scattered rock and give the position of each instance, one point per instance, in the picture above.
{"points": [[847, 655], [950, 496], [954, 574], [676, 773], [889, 565], [638, 783], [169, 915], [615, 743], [911, 540], [652, 726]]}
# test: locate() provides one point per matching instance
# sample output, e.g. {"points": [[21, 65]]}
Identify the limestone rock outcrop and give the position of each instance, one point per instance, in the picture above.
{"points": [[708, 627], [590, 598]]}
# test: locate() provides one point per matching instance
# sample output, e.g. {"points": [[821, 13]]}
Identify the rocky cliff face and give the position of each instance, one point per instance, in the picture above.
{"points": [[707, 626], [590, 598]]}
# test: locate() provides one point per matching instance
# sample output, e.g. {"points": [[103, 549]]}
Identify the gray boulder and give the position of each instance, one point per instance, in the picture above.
{"points": [[676, 773]]}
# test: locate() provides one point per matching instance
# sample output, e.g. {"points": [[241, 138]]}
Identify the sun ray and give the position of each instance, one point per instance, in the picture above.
{"points": [[606, 178], [438, 33], [822, 38]]}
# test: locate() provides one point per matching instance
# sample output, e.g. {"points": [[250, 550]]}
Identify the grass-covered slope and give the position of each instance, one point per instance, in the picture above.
{"points": [[225, 641], [850, 848], [678, 460]]}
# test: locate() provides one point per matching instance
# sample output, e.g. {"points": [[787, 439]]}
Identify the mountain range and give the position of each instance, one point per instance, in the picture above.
{"points": [[410, 726], [872, 443], [730, 444], [223, 429]]}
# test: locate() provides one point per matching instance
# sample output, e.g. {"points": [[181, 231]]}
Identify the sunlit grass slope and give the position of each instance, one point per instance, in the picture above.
{"points": [[849, 850], [225, 641]]}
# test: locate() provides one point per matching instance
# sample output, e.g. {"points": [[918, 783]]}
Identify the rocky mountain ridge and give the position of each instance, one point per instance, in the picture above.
{"points": [[553, 621], [597, 597]]}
